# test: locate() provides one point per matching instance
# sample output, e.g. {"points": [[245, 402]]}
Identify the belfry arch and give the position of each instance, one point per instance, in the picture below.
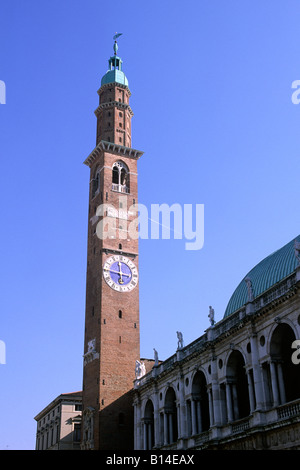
{"points": [[120, 177]]}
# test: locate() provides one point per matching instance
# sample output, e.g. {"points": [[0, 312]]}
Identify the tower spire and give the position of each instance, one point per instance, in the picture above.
{"points": [[115, 73]]}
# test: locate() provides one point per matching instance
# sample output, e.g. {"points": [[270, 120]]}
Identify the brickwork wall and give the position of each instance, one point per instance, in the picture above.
{"points": [[112, 318]]}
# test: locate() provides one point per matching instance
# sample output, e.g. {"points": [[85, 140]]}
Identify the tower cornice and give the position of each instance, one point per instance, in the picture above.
{"points": [[111, 147], [113, 104], [112, 84]]}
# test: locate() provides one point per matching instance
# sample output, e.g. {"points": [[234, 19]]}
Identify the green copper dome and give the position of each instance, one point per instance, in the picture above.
{"points": [[264, 275], [115, 73], [114, 76]]}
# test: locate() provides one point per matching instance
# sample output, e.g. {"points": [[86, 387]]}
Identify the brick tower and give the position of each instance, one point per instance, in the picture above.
{"points": [[112, 341]]}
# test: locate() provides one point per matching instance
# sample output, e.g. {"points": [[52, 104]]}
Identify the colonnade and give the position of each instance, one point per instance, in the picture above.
{"points": [[180, 410]]}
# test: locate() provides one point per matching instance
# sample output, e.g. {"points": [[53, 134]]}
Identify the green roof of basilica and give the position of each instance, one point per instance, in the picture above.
{"points": [[271, 270]]}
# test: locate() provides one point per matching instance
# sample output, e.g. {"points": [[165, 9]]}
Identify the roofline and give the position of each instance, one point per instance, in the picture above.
{"points": [[62, 397], [222, 329]]}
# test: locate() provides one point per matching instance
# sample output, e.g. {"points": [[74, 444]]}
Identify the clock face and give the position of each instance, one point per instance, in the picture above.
{"points": [[120, 273]]}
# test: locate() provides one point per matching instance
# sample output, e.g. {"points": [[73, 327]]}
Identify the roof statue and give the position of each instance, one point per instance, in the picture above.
{"points": [[140, 369], [211, 316], [116, 36], [249, 288], [155, 357], [180, 340]]}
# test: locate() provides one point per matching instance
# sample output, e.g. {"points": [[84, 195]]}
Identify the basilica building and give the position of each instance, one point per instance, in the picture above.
{"points": [[238, 385]]}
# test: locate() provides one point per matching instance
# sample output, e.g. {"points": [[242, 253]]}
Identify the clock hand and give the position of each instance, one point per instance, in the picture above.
{"points": [[120, 274], [116, 272]]}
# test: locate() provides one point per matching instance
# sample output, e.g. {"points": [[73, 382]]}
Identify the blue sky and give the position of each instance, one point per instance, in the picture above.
{"points": [[211, 94]]}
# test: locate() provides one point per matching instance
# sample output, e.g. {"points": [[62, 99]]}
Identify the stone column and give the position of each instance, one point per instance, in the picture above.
{"points": [[171, 428], [182, 431], [199, 416], [193, 410], [281, 383], [229, 402], [149, 432], [274, 383], [211, 409], [189, 417], [251, 391], [165, 428], [257, 375], [145, 435], [235, 401], [178, 421], [135, 425], [215, 391], [138, 426], [157, 437]]}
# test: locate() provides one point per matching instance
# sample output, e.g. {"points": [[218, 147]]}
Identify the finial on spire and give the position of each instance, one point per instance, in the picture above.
{"points": [[116, 36]]}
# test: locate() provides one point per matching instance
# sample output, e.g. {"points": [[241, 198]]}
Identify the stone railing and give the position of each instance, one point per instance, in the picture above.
{"points": [[121, 188], [201, 438], [240, 426], [289, 410]]}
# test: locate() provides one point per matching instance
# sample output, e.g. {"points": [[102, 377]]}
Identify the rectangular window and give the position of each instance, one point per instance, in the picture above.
{"points": [[57, 433], [77, 432]]}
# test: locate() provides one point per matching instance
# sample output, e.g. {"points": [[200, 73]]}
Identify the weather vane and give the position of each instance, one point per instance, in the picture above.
{"points": [[116, 36]]}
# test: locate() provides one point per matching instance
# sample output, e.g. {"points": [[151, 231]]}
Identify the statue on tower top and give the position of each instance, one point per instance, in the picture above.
{"points": [[116, 36]]}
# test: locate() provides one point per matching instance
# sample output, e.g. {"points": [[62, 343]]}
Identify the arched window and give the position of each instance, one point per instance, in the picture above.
{"points": [[198, 407], [120, 177], [170, 417], [284, 374], [237, 397], [148, 423], [96, 183], [115, 175]]}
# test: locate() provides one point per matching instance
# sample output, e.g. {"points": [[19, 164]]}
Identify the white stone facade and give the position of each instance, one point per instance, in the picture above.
{"points": [[235, 387]]}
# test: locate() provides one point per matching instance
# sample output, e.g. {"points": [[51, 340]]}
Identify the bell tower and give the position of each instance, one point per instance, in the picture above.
{"points": [[112, 339]]}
